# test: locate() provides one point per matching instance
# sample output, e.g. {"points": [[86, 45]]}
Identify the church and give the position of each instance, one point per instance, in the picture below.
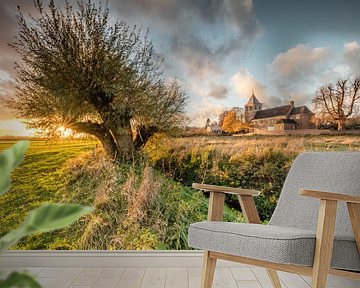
{"points": [[287, 117]]}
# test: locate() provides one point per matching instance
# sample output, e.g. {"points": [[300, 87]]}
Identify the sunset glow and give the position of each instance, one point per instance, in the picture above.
{"points": [[15, 127], [64, 132]]}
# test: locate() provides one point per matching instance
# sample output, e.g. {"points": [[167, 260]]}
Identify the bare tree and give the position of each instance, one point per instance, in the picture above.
{"points": [[338, 101], [80, 72]]}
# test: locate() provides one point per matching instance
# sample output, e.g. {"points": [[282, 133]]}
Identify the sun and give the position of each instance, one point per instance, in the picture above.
{"points": [[65, 132]]}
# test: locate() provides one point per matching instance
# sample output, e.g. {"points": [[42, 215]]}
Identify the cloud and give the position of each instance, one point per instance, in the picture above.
{"points": [[196, 38], [297, 73], [300, 61], [217, 91], [6, 91], [203, 110], [351, 56], [8, 12], [244, 83], [198, 35]]}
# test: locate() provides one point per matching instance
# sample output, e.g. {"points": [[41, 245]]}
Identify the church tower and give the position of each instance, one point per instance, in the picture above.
{"points": [[251, 107]]}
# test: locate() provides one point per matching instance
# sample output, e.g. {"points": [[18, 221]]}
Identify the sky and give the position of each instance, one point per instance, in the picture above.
{"points": [[222, 50]]}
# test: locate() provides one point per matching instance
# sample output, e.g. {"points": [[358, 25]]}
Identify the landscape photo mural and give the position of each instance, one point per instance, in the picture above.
{"points": [[125, 104]]}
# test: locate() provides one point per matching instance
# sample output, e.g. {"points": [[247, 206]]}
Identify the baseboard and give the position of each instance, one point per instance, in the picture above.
{"points": [[42, 258]]}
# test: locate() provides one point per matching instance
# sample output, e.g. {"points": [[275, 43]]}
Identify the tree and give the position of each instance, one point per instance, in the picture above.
{"points": [[230, 123], [207, 124], [222, 117], [80, 72], [339, 101]]}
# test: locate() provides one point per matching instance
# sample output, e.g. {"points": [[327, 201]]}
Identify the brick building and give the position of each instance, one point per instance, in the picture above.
{"points": [[287, 117]]}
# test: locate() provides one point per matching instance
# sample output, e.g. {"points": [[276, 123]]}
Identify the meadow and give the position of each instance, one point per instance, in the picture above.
{"points": [[38, 179], [148, 204]]}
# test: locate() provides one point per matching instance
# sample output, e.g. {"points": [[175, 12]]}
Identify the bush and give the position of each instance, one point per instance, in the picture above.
{"points": [[263, 170], [136, 208]]}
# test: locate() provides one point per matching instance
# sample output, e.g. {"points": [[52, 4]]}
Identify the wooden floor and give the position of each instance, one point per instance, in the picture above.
{"points": [[166, 277], [143, 269]]}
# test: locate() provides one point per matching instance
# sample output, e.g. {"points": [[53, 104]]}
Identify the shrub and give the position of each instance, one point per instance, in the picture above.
{"points": [[136, 206], [264, 170]]}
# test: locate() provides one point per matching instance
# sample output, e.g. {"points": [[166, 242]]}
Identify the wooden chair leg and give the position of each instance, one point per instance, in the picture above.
{"points": [[324, 243], [274, 278], [354, 212], [208, 271]]}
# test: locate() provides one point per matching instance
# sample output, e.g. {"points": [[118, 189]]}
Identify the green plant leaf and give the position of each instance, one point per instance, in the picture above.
{"points": [[11, 238], [9, 160], [19, 279], [43, 219], [53, 216]]}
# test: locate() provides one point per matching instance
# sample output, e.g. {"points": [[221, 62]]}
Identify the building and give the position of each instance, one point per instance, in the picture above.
{"points": [[251, 107], [213, 128], [287, 117]]}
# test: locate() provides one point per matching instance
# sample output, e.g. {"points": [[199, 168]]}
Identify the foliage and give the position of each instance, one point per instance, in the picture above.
{"points": [[137, 208], [338, 102], [81, 72], [46, 218], [19, 279], [258, 162], [265, 171], [9, 160], [128, 214], [231, 124]]}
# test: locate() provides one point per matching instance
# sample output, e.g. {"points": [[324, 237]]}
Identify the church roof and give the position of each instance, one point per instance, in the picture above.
{"points": [[281, 111], [253, 101], [272, 112], [301, 110]]}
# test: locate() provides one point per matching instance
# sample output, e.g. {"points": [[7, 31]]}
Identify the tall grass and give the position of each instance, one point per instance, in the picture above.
{"points": [[257, 162], [136, 207]]}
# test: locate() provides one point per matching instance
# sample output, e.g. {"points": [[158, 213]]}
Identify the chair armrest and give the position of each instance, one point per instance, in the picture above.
{"points": [[323, 195], [227, 190], [327, 218], [217, 197]]}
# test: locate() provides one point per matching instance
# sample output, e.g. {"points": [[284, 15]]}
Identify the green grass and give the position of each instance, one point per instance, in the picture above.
{"points": [[47, 175], [67, 172], [37, 180]]}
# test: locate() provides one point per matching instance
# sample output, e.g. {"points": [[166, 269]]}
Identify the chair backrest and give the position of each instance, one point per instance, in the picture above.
{"points": [[325, 171]]}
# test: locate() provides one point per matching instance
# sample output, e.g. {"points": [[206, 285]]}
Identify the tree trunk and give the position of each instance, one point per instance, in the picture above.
{"points": [[341, 124], [124, 144], [119, 143], [109, 145], [143, 135], [101, 133]]}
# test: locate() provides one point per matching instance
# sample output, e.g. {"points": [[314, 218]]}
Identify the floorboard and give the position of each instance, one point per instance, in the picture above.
{"points": [[170, 277]]}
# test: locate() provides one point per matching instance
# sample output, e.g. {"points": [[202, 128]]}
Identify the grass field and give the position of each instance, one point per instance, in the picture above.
{"points": [[259, 162], [37, 180], [289, 144]]}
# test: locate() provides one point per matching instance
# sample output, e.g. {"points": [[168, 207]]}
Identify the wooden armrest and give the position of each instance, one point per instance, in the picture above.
{"points": [[326, 224], [323, 195], [223, 189], [217, 201]]}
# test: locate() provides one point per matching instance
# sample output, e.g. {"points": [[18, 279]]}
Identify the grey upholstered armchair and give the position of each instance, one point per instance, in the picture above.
{"points": [[314, 231]]}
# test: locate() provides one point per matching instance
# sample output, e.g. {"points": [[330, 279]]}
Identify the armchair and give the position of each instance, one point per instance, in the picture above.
{"points": [[312, 232]]}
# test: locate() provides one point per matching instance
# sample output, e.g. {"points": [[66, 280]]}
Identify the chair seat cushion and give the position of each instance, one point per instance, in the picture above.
{"points": [[270, 243]]}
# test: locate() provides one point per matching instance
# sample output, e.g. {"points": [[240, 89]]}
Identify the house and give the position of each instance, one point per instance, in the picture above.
{"points": [[213, 128], [287, 117]]}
